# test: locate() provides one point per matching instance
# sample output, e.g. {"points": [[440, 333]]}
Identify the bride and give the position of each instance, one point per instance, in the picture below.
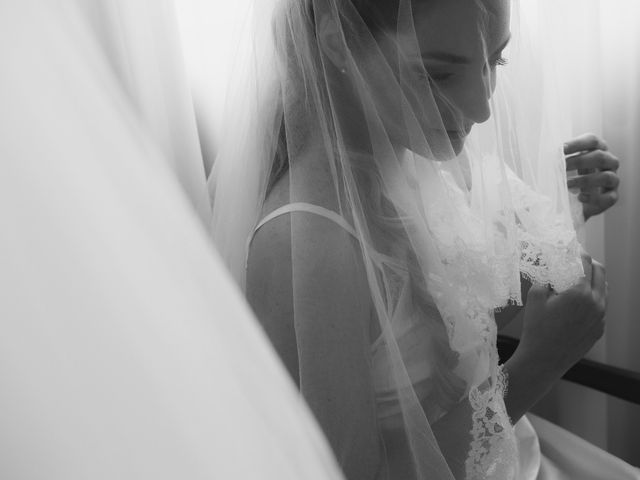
{"points": [[381, 232]]}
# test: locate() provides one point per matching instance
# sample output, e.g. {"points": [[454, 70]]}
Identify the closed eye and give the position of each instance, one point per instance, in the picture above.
{"points": [[440, 77]]}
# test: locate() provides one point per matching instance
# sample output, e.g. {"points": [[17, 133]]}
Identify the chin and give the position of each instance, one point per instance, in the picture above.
{"points": [[452, 148]]}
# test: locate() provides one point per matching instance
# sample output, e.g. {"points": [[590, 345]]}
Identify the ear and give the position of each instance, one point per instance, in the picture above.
{"points": [[331, 40]]}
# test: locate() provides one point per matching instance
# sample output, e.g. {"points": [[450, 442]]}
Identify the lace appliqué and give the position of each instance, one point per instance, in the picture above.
{"points": [[549, 247], [558, 264], [493, 453]]}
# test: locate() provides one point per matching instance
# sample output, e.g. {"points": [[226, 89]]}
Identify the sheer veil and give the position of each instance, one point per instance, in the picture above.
{"points": [[126, 351], [332, 98]]}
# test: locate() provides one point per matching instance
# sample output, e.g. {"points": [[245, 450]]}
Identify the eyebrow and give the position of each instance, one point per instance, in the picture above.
{"points": [[459, 59]]}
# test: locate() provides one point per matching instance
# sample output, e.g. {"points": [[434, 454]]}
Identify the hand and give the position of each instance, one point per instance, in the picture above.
{"points": [[559, 329], [597, 178]]}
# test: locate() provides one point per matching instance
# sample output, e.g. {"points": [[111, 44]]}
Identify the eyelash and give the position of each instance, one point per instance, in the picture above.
{"points": [[501, 61]]}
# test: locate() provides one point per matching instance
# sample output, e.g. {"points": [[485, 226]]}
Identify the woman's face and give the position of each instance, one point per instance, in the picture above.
{"points": [[454, 51]]}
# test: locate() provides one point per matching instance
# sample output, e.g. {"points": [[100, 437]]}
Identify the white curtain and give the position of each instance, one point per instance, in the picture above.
{"points": [[206, 28], [599, 41]]}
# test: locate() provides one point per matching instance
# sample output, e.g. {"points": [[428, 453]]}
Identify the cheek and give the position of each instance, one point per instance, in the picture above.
{"points": [[414, 118], [447, 100], [466, 96]]}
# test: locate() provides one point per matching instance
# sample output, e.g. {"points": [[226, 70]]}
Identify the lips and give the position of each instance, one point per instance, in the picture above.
{"points": [[456, 133], [459, 133]]}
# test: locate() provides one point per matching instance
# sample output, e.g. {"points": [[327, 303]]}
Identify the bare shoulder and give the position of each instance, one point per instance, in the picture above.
{"points": [[320, 246]]}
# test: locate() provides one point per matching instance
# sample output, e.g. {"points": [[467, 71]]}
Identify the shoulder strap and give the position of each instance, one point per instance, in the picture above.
{"points": [[316, 210], [310, 208], [299, 207]]}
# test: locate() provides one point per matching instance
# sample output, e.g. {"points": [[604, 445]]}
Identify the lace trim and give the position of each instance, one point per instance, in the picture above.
{"points": [[549, 247], [493, 453], [528, 238]]}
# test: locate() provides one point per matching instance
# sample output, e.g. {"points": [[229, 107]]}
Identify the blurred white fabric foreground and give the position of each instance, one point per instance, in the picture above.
{"points": [[124, 350]]}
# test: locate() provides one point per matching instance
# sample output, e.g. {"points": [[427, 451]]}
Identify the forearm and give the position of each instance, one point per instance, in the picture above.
{"points": [[558, 329]]}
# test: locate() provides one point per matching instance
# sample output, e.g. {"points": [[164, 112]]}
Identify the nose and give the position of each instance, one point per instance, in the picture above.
{"points": [[475, 101]]}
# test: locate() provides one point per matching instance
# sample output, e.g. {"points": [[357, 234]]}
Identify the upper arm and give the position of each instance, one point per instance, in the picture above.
{"points": [[269, 288], [325, 326]]}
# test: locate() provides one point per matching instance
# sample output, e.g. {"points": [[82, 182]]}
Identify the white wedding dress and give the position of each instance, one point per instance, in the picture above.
{"points": [[125, 351], [549, 452]]}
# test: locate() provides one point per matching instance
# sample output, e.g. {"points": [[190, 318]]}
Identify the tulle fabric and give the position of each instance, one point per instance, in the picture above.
{"points": [[126, 351], [442, 236]]}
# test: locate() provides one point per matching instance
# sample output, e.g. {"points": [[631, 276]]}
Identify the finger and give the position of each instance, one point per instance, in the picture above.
{"points": [[606, 180], [601, 201], [599, 282], [587, 262], [596, 159], [583, 143]]}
